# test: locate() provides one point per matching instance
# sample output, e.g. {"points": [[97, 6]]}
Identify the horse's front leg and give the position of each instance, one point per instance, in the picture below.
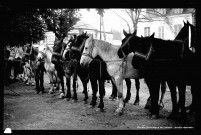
{"points": [[94, 87], [50, 74], [128, 94], [85, 92], [114, 91], [101, 93], [41, 80], [68, 93], [60, 76], [118, 80], [137, 86], [74, 88], [37, 81]]}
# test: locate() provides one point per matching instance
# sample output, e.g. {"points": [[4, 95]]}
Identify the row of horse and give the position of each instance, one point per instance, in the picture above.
{"points": [[157, 61]]}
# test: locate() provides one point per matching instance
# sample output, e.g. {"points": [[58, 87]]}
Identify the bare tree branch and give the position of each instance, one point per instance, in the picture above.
{"points": [[124, 20]]}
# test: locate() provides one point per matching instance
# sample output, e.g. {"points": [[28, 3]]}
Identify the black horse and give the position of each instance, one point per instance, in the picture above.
{"points": [[167, 60], [69, 67], [183, 35], [163, 83], [30, 53]]}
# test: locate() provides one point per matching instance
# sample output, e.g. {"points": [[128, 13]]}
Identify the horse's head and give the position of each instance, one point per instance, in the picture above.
{"points": [[57, 50], [42, 51], [67, 47], [129, 44], [78, 46], [143, 52], [89, 52], [188, 33]]}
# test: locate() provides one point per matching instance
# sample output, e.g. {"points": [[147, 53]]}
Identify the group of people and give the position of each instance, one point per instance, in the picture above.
{"points": [[15, 67]]}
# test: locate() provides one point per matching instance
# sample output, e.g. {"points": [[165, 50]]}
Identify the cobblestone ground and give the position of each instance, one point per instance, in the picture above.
{"points": [[23, 109]]}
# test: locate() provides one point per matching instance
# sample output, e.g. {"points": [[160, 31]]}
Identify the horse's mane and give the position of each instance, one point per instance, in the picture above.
{"points": [[104, 45]]}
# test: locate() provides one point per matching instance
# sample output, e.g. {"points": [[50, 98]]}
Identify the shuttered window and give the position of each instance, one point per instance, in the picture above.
{"points": [[161, 32], [147, 31]]}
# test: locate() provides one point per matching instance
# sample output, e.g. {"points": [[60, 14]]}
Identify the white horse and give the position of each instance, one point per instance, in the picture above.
{"points": [[45, 53], [118, 68]]}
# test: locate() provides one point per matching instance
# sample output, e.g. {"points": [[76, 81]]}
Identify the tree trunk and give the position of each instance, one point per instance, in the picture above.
{"points": [[100, 27]]}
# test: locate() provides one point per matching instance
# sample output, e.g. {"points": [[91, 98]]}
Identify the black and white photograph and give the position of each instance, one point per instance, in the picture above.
{"points": [[100, 69]]}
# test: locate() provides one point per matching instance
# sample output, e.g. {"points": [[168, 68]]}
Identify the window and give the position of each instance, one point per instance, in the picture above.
{"points": [[161, 32], [178, 10], [177, 29], [161, 10], [147, 31]]}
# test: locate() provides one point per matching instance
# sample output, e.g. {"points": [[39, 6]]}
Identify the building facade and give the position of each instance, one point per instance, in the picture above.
{"points": [[168, 24]]}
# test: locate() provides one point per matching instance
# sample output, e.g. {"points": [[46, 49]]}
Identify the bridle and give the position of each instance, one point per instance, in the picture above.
{"points": [[126, 42]]}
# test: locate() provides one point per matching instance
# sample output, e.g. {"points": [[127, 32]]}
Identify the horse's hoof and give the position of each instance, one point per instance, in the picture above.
{"points": [[67, 99], [74, 101], [42, 92], [100, 110], [136, 103], [37, 92], [154, 117], [172, 116], [126, 101], [61, 96], [161, 105], [147, 107], [119, 112], [85, 102], [50, 92], [91, 106]]}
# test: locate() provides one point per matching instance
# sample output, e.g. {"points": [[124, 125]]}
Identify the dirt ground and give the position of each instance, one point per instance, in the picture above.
{"points": [[29, 111]]}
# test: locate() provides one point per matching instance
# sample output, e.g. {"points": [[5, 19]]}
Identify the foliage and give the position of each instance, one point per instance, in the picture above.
{"points": [[21, 26], [60, 21]]}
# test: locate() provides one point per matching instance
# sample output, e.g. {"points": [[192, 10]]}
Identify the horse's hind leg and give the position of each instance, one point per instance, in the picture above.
{"points": [[175, 109], [101, 93], [182, 99], [128, 95], [154, 86], [192, 106], [137, 86]]}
